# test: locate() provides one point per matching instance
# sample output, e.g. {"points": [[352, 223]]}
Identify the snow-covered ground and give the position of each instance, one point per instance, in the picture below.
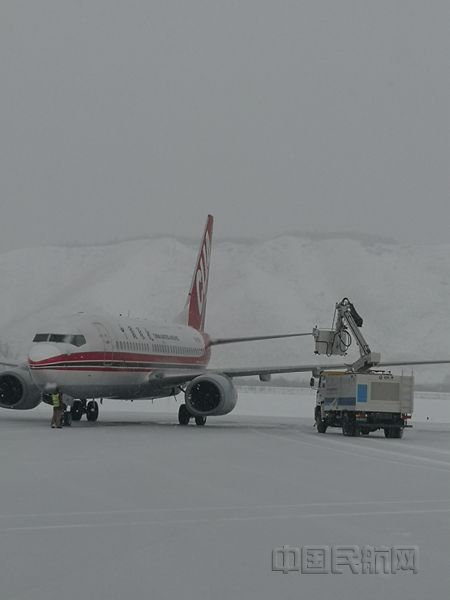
{"points": [[268, 401], [284, 284], [135, 506]]}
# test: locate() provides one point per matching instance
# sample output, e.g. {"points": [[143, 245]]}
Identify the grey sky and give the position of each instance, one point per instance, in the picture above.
{"points": [[138, 117]]}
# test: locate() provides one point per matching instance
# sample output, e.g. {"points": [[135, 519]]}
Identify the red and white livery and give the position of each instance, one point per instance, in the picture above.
{"points": [[103, 356]]}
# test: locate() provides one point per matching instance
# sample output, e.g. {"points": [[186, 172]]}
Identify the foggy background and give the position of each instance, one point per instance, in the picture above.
{"points": [[123, 119]]}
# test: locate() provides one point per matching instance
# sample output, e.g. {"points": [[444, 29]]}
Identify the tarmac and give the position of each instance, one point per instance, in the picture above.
{"points": [[136, 506]]}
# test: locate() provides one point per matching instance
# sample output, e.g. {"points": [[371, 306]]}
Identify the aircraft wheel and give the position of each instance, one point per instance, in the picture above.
{"points": [[92, 411], [76, 410], [200, 421], [183, 415]]}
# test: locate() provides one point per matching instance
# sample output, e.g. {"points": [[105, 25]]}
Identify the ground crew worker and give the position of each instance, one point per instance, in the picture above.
{"points": [[57, 409]]}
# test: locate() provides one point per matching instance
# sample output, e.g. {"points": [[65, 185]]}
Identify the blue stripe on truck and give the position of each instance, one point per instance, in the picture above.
{"points": [[346, 401], [362, 392], [341, 401]]}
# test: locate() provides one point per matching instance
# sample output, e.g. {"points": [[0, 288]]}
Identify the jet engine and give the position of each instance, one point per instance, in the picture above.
{"points": [[17, 391], [212, 394]]}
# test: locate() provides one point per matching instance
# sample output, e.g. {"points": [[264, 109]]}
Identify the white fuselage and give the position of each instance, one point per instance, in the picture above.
{"points": [[89, 356]]}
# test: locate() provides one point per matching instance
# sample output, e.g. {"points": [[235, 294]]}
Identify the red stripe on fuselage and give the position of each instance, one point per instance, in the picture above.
{"points": [[119, 357]]}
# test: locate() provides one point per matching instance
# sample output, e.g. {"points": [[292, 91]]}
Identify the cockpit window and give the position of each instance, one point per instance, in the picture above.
{"points": [[60, 338], [41, 337], [78, 340]]}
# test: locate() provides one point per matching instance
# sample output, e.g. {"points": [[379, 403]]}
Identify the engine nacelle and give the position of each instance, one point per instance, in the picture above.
{"points": [[210, 395], [17, 390]]}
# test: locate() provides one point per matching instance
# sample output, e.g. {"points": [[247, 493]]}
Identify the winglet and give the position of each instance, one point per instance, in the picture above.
{"points": [[195, 308]]}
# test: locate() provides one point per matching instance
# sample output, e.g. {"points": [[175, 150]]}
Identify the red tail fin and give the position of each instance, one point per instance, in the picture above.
{"points": [[195, 308]]}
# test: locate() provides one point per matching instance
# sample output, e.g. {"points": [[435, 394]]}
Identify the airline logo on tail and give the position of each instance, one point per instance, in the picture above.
{"points": [[199, 286]]}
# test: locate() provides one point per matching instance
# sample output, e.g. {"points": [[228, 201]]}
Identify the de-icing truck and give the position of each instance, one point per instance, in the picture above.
{"points": [[362, 399]]}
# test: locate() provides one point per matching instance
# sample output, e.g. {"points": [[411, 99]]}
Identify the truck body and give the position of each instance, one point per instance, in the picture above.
{"points": [[363, 402]]}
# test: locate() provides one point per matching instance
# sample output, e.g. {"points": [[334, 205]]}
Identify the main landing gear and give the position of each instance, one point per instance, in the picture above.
{"points": [[82, 407], [184, 416]]}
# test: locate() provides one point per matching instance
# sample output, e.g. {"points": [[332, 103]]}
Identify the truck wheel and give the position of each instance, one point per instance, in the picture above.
{"points": [[348, 427], [321, 426], [397, 432], [387, 432], [344, 427]]}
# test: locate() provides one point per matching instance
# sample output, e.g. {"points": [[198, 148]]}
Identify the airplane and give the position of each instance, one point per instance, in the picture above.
{"points": [[103, 356]]}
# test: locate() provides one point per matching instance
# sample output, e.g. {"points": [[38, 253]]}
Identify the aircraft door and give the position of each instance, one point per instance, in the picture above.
{"points": [[107, 342]]}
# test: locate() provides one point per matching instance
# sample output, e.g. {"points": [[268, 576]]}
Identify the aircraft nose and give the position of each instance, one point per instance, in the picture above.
{"points": [[41, 352]]}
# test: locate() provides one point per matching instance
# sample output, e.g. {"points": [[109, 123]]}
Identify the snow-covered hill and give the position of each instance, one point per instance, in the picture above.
{"points": [[289, 283]]}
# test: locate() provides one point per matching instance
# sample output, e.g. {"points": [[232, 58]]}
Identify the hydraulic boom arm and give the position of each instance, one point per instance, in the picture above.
{"points": [[337, 340]]}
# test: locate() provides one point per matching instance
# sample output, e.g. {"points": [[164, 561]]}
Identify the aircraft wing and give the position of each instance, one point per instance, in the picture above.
{"points": [[248, 372], [406, 363], [168, 378], [9, 364], [234, 340], [179, 378]]}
